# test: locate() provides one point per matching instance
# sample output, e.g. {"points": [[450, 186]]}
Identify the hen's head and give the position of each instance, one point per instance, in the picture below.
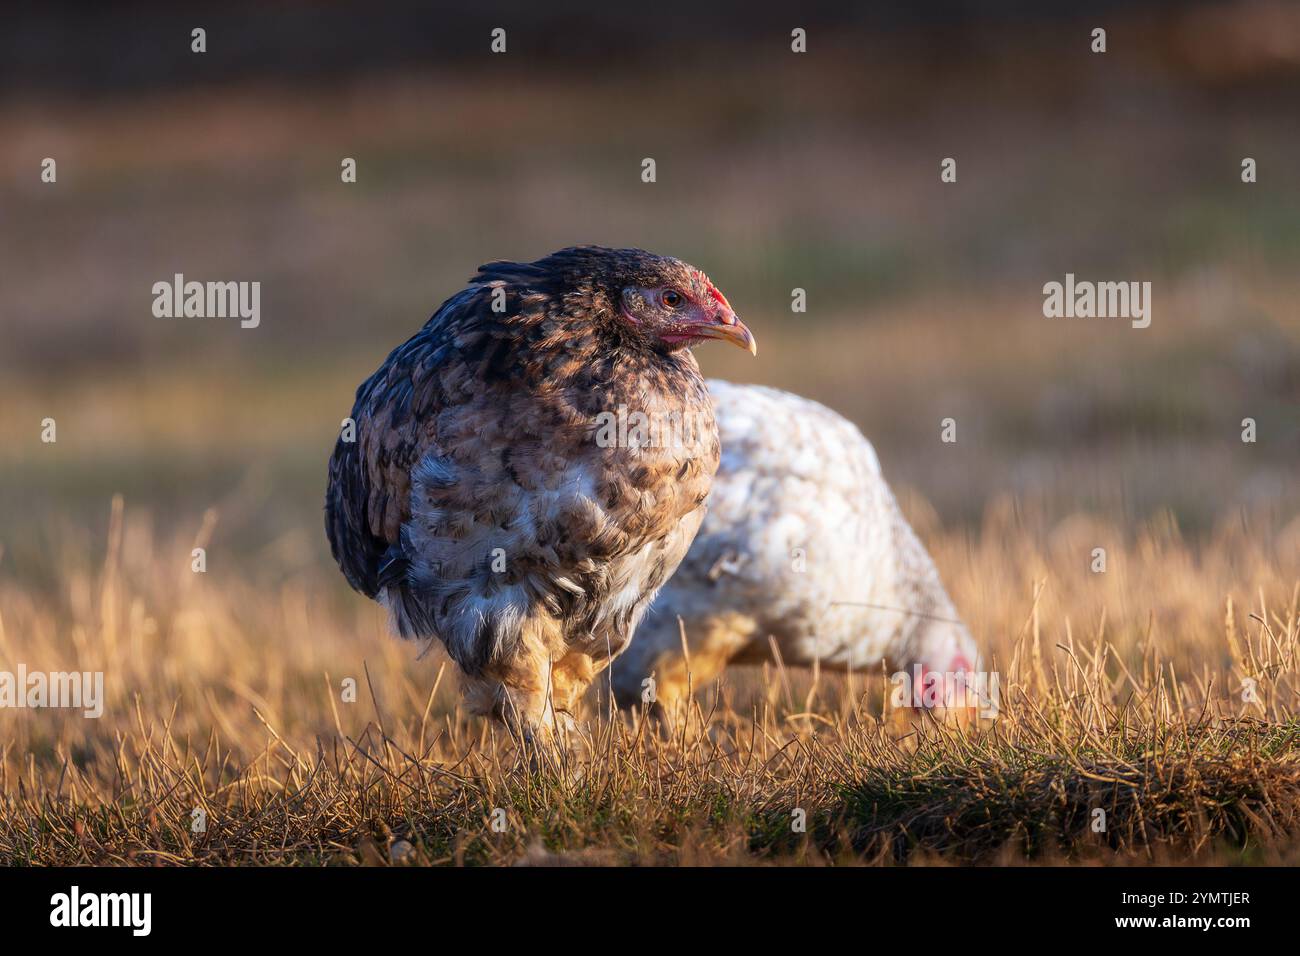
{"points": [[639, 298]]}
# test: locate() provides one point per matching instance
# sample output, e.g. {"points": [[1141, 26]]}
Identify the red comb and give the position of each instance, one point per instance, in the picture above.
{"points": [[713, 290]]}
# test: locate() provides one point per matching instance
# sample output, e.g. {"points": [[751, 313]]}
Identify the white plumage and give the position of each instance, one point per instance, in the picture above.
{"points": [[803, 542]]}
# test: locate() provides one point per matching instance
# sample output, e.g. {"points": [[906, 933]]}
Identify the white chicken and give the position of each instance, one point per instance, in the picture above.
{"points": [[803, 543]]}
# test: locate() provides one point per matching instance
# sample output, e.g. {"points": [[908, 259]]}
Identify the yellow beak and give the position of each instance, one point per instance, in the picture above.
{"points": [[734, 331]]}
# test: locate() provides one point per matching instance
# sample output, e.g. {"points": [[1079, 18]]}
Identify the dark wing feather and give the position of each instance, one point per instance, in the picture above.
{"points": [[367, 498]]}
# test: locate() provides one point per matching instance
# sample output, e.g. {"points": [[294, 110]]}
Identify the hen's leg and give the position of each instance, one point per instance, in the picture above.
{"points": [[518, 688], [710, 643], [570, 677]]}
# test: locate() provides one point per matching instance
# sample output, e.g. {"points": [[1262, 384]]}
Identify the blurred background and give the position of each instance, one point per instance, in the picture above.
{"points": [[775, 171]]}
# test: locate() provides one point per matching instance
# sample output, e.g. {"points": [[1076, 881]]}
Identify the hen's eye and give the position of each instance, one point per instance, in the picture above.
{"points": [[672, 298]]}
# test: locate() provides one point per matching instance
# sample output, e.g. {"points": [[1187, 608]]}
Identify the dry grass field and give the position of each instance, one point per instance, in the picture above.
{"points": [[1122, 691], [1164, 691]]}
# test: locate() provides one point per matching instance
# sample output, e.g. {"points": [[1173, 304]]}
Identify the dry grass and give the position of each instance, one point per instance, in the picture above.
{"points": [[1122, 692]]}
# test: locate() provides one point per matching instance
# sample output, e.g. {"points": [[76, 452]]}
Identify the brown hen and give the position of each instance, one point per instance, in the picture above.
{"points": [[530, 467]]}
